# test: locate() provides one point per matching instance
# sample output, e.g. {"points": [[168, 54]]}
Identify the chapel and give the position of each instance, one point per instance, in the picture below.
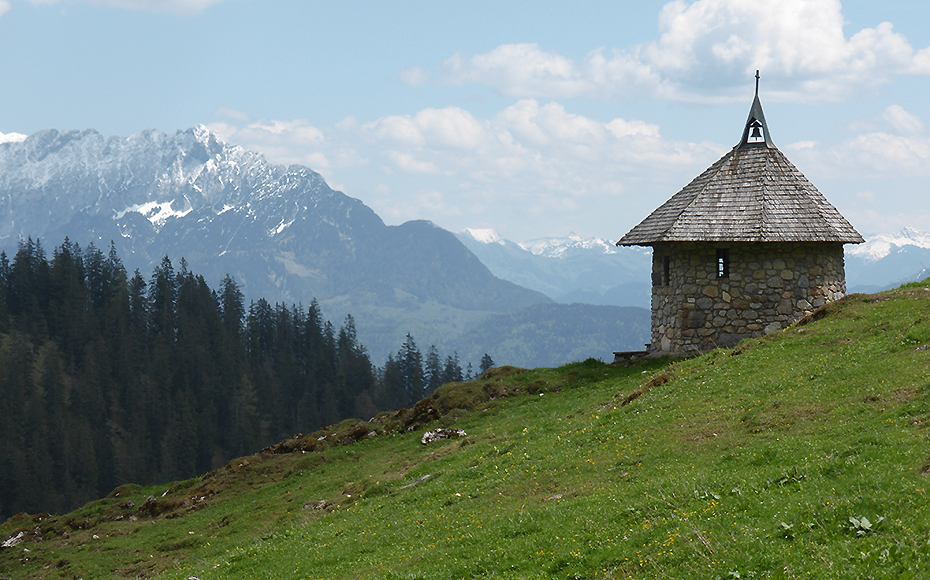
{"points": [[745, 249]]}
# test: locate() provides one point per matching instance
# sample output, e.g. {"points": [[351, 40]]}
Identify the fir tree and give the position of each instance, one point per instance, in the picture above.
{"points": [[106, 379], [433, 370], [410, 362], [452, 371], [486, 363]]}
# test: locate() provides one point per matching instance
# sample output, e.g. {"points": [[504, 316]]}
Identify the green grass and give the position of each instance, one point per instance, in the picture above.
{"points": [[801, 455]]}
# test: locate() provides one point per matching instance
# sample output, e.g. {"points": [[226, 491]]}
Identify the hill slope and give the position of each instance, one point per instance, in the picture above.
{"points": [[803, 454], [538, 334]]}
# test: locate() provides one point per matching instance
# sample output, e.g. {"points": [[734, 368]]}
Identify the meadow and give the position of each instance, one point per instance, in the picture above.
{"points": [[803, 454]]}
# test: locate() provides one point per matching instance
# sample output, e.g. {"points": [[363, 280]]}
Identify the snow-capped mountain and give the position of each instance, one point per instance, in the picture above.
{"points": [[594, 271], [569, 269], [571, 245], [880, 246], [888, 260], [281, 232]]}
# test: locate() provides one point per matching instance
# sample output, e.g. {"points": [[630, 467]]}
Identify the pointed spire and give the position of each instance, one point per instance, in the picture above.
{"points": [[756, 121]]}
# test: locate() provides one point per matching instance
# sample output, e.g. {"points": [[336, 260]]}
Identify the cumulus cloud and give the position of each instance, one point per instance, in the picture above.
{"points": [[537, 168], [449, 128], [902, 121], [705, 51], [414, 77], [526, 70], [12, 138], [529, 145], [534, 160], [407, 163], [291, 142], [285, 142], [892, 143], [234, 114], [884, 153], [189, 7]]}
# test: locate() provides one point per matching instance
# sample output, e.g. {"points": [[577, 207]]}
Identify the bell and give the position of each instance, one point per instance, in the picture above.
{"points": [[756, 134]]}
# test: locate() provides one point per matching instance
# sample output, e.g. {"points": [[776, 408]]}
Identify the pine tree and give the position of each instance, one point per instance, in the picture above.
{"points": [[411, 371], [4, 277], [162, 296], [486, 363], [452, 371], [354, 368], [393, 383], [232, 308], [107, 379], [433, 370]]}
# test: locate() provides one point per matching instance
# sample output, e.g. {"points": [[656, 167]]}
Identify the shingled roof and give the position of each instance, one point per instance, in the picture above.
{"points": [[752, 194]]}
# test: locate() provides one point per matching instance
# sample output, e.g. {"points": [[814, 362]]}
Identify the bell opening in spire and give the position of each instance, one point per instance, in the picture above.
{"points": [[756, 131]]}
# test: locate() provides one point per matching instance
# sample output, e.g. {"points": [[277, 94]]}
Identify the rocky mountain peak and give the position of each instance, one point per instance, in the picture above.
{"points": [[281, 232]]}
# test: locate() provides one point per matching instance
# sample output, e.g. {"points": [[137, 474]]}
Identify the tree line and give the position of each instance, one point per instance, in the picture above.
{"points": [[107, 378]]}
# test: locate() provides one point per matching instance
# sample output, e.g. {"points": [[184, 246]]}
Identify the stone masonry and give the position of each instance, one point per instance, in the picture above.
{"points": [[765, 287]]}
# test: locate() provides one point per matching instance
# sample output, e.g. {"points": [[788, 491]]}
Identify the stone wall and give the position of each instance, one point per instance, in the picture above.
{"points": [[769, 286]]}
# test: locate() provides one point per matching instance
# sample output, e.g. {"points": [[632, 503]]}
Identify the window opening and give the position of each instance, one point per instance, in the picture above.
{"points": [[666, 270], [723, 263]]}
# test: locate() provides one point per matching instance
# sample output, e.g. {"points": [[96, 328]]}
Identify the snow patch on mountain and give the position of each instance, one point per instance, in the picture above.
{"points": [[557, 247], [157, 213], [881, 245], [281, 227], [485, 236]]}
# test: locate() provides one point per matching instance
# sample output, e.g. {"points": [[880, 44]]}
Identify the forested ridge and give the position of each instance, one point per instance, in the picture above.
{"points": [[107, 378]]}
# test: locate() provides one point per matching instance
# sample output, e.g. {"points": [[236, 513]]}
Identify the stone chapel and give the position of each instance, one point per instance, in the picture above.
{"points": [[745, 249]]}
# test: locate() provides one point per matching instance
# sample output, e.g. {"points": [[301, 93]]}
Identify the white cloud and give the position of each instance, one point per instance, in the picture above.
{"points": [[538, 169], [621, 128], [707, 51], [229, 113], [535, 165], [869, 221], [299, 132], [414, 77], [12, 138], [902, 121], [285, 142], [525, 70], [408, 164], [884, 153], [450, 127], [892, 144], [894, 119], [189, 7], [4, 7]]}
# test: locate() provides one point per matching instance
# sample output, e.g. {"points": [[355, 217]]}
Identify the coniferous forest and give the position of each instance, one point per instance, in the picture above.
{"points": [[107, 378]]}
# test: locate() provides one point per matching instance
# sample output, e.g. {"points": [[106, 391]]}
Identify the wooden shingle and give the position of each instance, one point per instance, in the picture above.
{"points": [[752, 194]]}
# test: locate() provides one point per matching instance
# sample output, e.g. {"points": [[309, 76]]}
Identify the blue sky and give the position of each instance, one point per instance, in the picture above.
{"points": [[531, 118]]}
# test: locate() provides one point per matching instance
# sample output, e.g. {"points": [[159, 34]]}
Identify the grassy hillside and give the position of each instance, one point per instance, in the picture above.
{"points": [[804, 454]]}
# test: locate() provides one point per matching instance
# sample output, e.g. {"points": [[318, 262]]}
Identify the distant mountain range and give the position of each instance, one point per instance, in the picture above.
{"points": [[595, 271], [281, 232], [888, 260], [568, 270], [286, 236]]}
